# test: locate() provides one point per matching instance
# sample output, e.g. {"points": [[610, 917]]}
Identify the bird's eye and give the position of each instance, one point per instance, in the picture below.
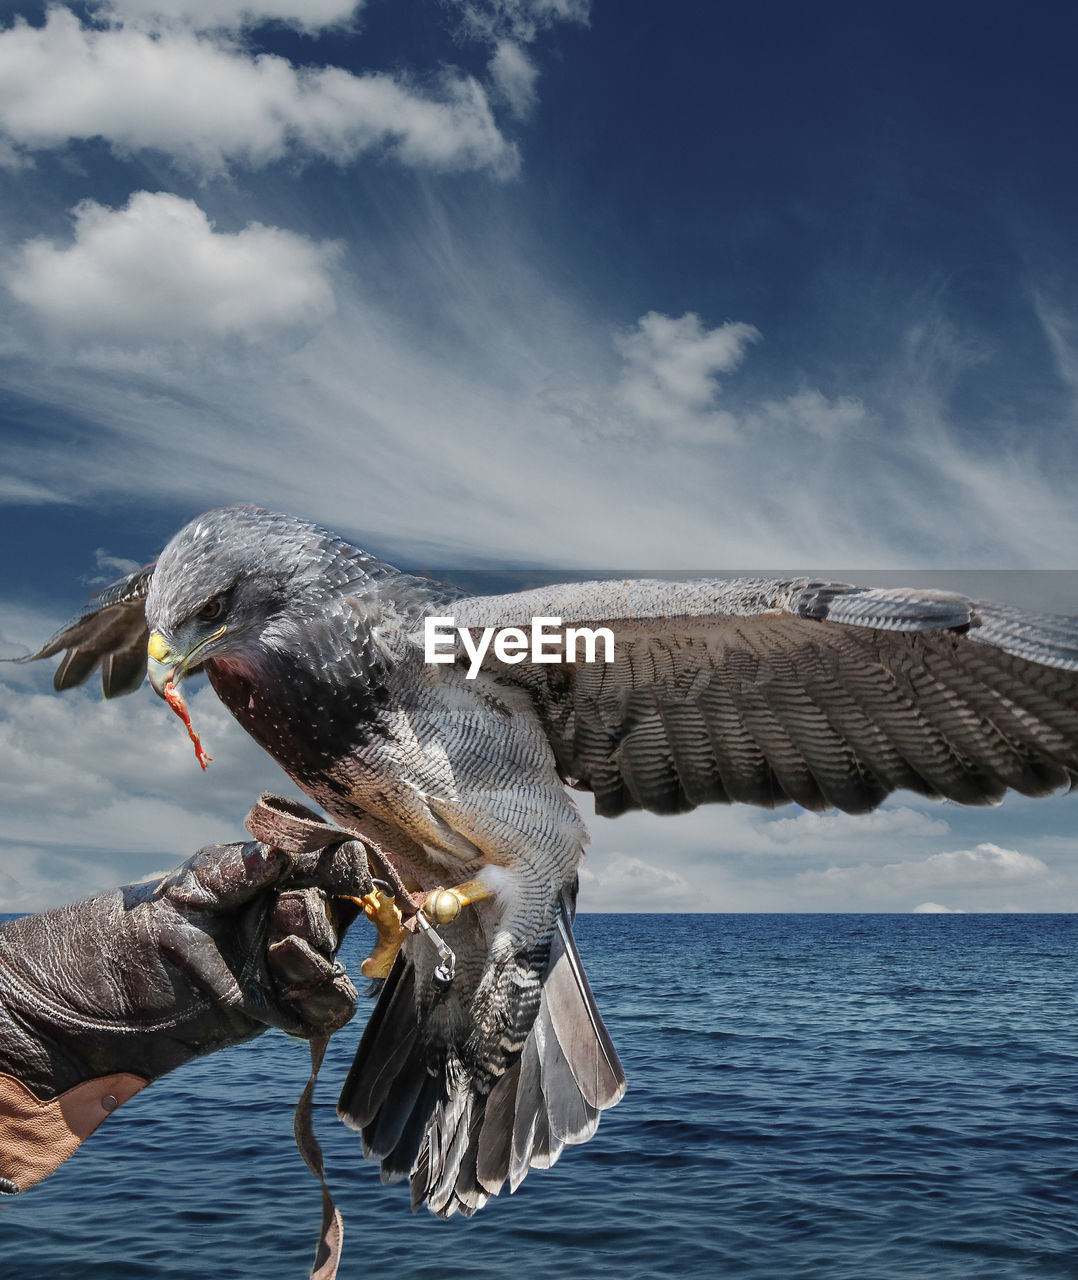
{"points": [[210, 610]]}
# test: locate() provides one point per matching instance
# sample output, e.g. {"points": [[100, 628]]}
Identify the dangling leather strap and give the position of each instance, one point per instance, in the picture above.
{"points": [[289, 825], [328, 1254]]}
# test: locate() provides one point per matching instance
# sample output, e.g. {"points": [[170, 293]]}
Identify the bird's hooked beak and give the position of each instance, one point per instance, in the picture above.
{"points": [[163, 664]]}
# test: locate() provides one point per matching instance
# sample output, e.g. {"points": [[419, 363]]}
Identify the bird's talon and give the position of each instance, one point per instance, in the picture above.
{"points": [[441, 905], [381, 909]]}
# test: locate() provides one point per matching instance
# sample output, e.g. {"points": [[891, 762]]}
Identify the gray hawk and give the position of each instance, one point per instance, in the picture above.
{"points": [[762, 691]]}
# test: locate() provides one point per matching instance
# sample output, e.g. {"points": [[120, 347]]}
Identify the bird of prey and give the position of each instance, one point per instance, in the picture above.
{"points": [[755, 690]]}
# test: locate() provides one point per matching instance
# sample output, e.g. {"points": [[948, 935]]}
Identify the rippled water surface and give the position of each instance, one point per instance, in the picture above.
{"points": [[835, 1097]]}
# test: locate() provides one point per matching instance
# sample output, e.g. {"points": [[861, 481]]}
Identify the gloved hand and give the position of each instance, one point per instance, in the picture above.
{"points": [[99, 998]]}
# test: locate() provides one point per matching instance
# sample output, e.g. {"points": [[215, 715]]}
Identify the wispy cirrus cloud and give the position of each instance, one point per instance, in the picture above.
{"points": [[1060, 329], [520, 20], [509, 27], [535, 378], [19, 491]]}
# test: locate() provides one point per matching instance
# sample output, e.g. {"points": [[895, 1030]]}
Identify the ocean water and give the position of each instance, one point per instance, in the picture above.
{"points": [[837, 1097]]}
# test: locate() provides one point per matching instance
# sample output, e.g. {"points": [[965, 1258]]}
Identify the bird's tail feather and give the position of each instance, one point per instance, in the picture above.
{"points": [[460, 1134], [390, 1095]]}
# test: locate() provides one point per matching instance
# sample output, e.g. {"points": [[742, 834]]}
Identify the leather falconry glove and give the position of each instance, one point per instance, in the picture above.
{"points": [[99, 998]]}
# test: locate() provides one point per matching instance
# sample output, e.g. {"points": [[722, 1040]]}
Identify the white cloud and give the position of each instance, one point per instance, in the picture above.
{"points": [[158, 271], [112, 566], [508, 26], [935, 909], [95, 793], [671, 378], [987, 870], [740, 858], [812, 832], [209, 15], [810, 411], [624, 883], [23, 628], [986, 864], [210, 104], [513, 75]]}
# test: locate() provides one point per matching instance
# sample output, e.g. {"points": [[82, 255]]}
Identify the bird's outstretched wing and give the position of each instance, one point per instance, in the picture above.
{"points": [[769, 691], [111, 633]]}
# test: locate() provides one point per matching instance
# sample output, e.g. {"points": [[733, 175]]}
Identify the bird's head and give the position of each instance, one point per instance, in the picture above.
{"points": [[219, 584]]}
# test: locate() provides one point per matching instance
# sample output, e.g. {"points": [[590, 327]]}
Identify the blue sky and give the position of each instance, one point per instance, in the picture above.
{"points": [[494, 283]]}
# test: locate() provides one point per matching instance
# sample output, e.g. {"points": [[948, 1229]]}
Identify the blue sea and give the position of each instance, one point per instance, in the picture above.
{"points": [[841, 1097]]}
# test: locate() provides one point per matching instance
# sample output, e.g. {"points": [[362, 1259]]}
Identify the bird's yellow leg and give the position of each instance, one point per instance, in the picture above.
{"points": [[442, 906], [382, 911]]}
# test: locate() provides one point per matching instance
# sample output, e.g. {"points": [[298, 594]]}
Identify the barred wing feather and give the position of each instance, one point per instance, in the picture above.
{"points": [[769, 691]]}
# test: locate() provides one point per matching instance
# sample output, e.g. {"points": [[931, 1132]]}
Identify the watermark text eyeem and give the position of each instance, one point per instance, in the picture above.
{"points": [[544, 641]]}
